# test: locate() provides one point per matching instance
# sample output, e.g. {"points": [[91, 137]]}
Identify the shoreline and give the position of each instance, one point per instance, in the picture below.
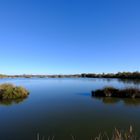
{"points": [[119, 75]]}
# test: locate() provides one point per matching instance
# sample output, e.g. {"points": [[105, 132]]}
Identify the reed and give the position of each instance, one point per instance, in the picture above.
{"points": [[116, 135]]}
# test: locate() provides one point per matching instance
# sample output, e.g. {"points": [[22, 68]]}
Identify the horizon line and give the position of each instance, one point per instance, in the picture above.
{"points": [[73, 73]]}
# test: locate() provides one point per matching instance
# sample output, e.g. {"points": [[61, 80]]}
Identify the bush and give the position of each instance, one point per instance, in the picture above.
{"points": [[9, 91], [120, 93], [110, 91]]}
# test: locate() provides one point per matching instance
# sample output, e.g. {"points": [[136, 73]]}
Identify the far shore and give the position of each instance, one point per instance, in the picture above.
{"points": [[121, 75]]}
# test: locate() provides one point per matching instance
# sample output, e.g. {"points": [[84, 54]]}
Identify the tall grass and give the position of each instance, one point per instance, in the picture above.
{"points": [[116, 135]]}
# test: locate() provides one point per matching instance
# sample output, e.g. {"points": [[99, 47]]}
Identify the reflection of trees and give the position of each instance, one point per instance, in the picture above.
{"points": [[132, 102], [110, 100], [107, 79], [126, 101], [11, 102], [130, 81]]}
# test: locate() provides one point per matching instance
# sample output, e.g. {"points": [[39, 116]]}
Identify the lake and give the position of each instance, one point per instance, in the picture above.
{"points": [[64, 107]]}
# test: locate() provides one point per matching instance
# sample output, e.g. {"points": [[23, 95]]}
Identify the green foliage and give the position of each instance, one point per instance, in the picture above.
{"points": [[9, 91], [124, 75]]}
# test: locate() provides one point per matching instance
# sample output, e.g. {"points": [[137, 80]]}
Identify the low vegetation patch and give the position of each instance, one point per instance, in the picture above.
{"points": [[11, 92], [114, 92]]}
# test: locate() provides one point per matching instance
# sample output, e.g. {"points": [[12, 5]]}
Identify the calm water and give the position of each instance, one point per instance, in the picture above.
{"points": [[61, 107]]}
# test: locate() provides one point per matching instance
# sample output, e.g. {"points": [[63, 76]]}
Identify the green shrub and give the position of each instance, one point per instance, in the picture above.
{"points": [[9, 91]]}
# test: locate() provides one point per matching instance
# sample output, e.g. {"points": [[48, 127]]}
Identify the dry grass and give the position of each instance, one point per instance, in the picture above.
{"points": [[117, 135], [9, 92]]}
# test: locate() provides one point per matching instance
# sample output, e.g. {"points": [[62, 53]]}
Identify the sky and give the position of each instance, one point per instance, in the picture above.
{"points": [[69, 36]]}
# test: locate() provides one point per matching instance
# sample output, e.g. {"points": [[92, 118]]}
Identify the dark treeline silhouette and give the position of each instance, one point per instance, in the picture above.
{"points": [[123, 75]]}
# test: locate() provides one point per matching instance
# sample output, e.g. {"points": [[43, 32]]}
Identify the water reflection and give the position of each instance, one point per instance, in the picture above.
{"points": [[11, 102], [64, 106], [84, 94], [126, 101], [130, 81]]}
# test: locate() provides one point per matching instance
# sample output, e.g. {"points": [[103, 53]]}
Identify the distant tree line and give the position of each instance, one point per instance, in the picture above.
{"points": [[127, 75], [123, 75]]}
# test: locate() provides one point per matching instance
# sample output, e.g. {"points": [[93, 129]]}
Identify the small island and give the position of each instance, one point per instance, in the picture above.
{"points": [[114, 92], [11, 92]]}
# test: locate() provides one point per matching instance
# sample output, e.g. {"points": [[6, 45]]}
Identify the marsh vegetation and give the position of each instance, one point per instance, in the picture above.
{"points": [[114, 92], [117, 134], [11, 92]]}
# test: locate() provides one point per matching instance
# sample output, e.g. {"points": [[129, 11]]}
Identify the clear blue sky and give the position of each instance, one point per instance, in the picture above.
{"points": [[69, 36]]}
